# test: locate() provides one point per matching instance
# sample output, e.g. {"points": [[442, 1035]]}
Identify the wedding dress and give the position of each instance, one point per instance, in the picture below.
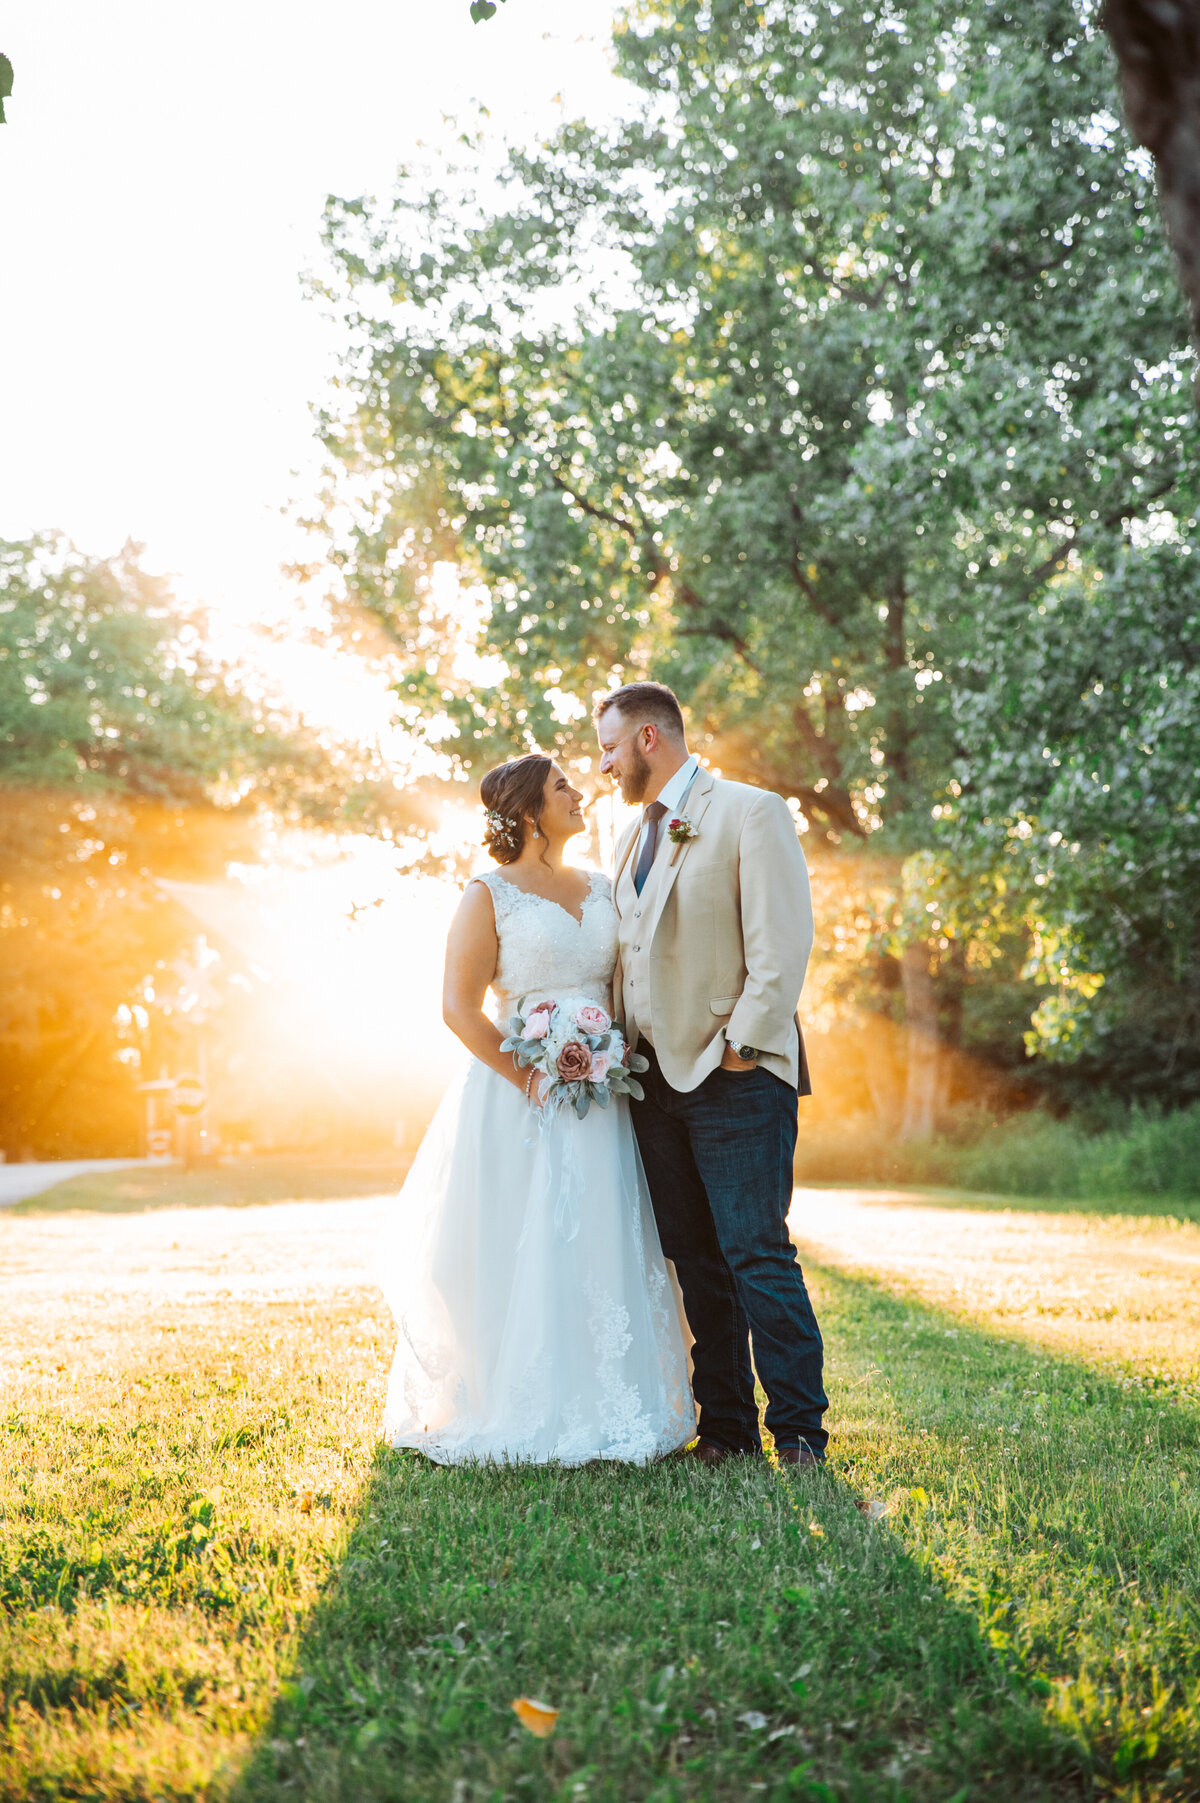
{"points": [[537, 1318]]}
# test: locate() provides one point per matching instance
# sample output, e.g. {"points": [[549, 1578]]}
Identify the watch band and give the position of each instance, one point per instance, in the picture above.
{"points": [[747, 1052]]}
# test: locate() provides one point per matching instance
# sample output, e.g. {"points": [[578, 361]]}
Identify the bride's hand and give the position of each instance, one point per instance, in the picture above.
{"points": [[537, 1090]]}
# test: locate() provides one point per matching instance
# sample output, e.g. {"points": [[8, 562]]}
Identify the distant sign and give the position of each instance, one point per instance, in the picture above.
{"points": [[188, 1096], [158, 1142]]}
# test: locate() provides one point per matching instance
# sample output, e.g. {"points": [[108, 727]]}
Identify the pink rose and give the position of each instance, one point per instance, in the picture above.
{"points": [[592, 1019], [600, 1064], [574, 1062], [538, 1024]]}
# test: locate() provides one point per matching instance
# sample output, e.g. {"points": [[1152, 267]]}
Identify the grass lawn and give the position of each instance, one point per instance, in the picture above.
{"points": [[216, 1585]]}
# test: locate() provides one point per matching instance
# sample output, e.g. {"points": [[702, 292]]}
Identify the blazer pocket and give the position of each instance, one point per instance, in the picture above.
{"points": [[722, 1004]]}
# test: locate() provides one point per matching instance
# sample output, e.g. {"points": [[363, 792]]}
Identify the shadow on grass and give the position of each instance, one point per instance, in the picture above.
{"points": [[240, 1184], [1021, 1621], [698, 1637], [1059, 1501]]}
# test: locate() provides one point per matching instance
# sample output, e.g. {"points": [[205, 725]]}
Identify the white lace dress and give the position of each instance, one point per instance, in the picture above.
{"points": [[537, 1319]]}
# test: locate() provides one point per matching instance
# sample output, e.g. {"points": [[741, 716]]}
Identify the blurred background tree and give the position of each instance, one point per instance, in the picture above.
{"points": [[128, 756], [844, 385]]}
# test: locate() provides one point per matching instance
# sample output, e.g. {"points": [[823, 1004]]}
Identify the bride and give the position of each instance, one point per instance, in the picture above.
{"points": [[537, 1320]]}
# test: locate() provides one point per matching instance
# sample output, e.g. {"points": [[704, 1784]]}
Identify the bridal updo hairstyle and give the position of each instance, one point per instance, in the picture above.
{"points": [[512, 793]]}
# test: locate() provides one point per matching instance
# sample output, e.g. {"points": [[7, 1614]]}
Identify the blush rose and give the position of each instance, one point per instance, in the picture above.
{"points": [[574, 1062], [593, 1019]]}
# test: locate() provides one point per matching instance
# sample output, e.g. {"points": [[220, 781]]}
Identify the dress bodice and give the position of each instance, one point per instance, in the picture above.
{"points": [[544, 949]]}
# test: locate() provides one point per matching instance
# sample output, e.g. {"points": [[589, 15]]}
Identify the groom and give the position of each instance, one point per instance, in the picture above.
{"points": [[715, 930]]}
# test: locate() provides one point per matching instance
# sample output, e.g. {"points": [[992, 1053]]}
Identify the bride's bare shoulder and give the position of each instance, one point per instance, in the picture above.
{"points": [[477, 904]]}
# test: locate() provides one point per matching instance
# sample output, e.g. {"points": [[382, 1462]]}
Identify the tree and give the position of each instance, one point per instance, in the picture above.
{"points": [[127, 755], [1081, 812], [859, 331], [1157, 45]]}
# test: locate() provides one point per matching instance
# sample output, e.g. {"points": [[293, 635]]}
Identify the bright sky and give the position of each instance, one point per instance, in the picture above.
{"points": [[162, 177]]}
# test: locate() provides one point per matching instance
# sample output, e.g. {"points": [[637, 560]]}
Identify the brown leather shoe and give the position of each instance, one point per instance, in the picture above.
{"points": [[801, 1456], [707, 1453]]}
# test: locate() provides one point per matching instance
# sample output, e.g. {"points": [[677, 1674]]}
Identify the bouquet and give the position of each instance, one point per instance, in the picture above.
{"points": [[578, 1048]]}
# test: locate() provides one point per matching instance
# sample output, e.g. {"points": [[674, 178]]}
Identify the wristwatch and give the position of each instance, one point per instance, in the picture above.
{"points": [[748, 1053]]}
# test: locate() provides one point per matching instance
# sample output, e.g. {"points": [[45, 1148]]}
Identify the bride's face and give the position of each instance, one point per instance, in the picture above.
{"points": [[562, 813]]}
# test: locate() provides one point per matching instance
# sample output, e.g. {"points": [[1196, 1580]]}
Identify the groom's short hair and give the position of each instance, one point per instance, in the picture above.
{"points": [[643, 704]]}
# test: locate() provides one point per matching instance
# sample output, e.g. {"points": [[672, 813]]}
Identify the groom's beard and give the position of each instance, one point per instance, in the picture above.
{"points": [[634, 785]]}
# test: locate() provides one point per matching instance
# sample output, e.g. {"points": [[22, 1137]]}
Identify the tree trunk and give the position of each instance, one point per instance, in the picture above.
{"points": [[898, 726], [921, 1019], [952, 986], [1157, 45]]}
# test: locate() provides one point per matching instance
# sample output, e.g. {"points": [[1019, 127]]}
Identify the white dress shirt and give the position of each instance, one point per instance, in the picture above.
{"points": [[673, 794]]}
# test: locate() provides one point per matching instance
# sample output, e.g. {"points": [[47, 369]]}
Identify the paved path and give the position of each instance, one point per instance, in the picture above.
{"points": [[17, 1181]]}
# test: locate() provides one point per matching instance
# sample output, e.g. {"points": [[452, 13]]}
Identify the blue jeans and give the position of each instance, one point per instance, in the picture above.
{"points": [[719, 1163]]}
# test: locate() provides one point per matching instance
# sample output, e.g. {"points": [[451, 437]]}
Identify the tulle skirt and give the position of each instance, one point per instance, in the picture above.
{"points": [[538, 1318]]}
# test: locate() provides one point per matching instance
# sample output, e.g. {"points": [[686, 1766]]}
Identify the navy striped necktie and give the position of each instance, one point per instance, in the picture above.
{"points": [[654, 814]]}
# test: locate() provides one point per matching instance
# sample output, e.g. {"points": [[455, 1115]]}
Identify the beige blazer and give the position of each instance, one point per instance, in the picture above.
{"points": [[717, 943]]}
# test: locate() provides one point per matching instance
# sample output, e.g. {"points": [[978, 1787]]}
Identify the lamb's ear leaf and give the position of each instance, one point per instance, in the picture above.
{"points": [[511, 1043], [601, 1093], [635, 1089], [581, 1104]]}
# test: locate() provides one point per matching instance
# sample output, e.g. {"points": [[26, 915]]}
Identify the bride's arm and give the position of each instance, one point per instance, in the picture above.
{"points": [[471, 952]]}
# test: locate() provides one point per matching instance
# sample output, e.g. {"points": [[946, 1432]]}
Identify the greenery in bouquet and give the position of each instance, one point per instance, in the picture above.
{"points": [[578, 1048]]}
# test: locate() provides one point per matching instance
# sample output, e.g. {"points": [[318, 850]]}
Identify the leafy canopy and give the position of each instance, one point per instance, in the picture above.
{"points": [[833, 363]]}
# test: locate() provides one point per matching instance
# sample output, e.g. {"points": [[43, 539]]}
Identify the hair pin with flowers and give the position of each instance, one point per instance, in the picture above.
{"points": [[503, 829]]}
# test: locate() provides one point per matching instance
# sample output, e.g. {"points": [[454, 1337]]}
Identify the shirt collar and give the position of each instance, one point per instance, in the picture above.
{"points": [[673, 791]]}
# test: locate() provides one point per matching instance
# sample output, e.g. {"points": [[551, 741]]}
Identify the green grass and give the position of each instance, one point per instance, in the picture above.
{"points": [[1145, 1163], [238, 1184], [179, 1623]]}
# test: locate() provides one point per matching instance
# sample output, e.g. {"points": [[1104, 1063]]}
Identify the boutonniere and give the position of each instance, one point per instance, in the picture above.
{"points": [[680, 830]]}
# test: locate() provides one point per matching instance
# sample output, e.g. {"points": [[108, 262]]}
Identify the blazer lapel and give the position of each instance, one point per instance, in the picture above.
{"points": [[662, 878]]}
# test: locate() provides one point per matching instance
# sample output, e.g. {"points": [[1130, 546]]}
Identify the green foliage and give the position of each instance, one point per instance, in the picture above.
{"points": [[1081, 732], [483, 9], [1148, 1161], [6, 85], [752, 469], [853, 350]]}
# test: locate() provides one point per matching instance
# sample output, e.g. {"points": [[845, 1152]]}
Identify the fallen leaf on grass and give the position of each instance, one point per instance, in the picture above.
{"points": [[304, 1502], [815, 1528], [539, 1718], [753, 1719], [875, 1510]]}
